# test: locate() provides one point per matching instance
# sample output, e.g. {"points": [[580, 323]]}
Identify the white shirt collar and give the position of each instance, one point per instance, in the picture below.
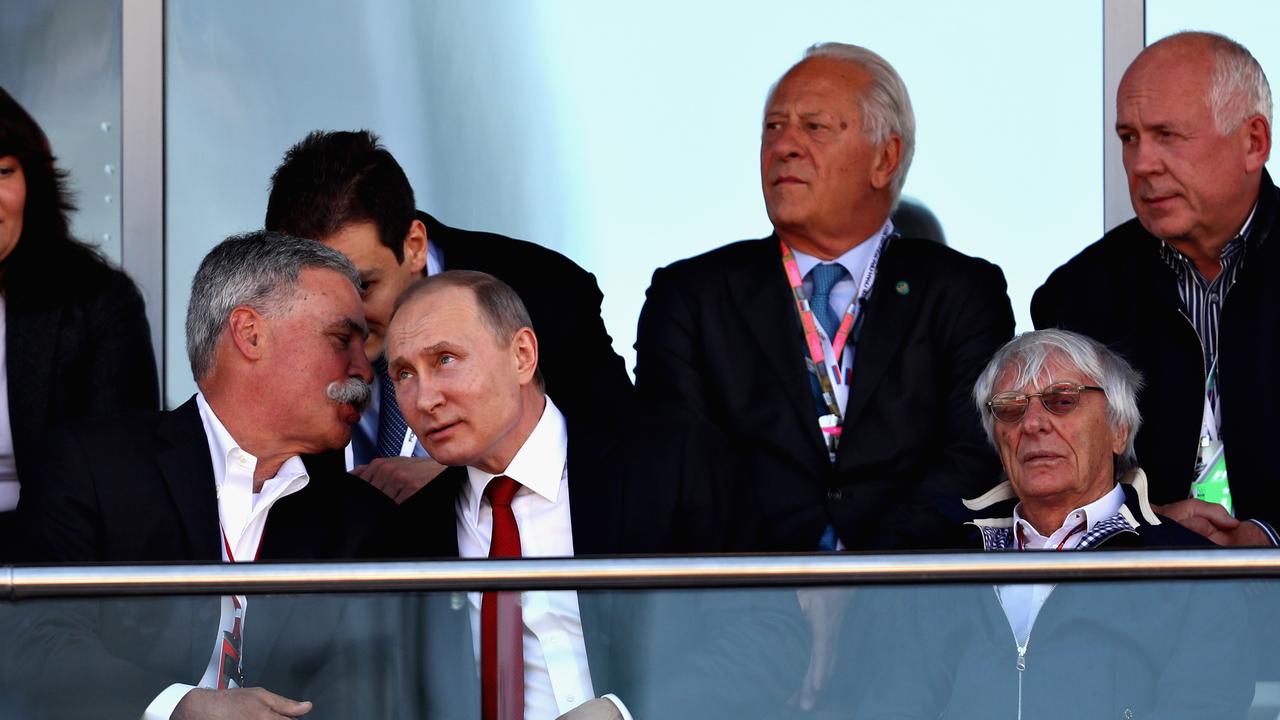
{"points": [[855, 260], [239, 508], [1244, 229], [537, 466], [1101, 509], [224, 451]]}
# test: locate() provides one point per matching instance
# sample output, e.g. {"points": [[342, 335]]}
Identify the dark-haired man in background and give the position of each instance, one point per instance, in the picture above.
{"points": [[347, 191]]}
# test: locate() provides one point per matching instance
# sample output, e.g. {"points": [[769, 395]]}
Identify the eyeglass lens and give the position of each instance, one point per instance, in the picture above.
{"points": [[1059, 399]]}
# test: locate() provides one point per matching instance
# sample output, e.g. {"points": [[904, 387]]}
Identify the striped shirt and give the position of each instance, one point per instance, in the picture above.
{"points": [[1202, 298]]}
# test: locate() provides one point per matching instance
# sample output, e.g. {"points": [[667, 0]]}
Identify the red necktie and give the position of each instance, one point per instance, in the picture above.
{"points": [[501, 629]]}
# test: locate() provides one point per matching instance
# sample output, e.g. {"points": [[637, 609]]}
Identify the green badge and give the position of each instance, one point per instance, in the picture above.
{"points": [[902, 287]]}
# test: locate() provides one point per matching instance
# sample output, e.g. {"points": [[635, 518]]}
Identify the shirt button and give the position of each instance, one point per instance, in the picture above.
{"points": [[835, 495], [571, 699], [1213, 297]]}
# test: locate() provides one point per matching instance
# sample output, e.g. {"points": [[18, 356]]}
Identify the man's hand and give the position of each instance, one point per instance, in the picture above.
{"points": [[1215, 523], [595, 709], [824, 609], [399, 477], [249, 703]]}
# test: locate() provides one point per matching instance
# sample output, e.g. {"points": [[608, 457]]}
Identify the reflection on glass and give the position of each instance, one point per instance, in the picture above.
{"points": [[1176, 649]]}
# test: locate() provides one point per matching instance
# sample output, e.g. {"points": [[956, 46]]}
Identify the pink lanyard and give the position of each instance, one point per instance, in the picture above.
{"points": [[847, 322], [235, 599]]}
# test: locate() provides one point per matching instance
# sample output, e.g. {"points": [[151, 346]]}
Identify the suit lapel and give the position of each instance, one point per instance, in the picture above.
{"points": [[764, 300], [188, 472], [893, 304]]}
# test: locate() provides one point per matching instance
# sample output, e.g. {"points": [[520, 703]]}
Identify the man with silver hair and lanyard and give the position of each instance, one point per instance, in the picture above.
{"points": [[1061, 410], [835, 355], [1186, 291]]}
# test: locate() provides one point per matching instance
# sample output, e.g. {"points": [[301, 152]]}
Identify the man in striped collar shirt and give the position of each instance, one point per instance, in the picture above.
{"points": [[1184, 290]]}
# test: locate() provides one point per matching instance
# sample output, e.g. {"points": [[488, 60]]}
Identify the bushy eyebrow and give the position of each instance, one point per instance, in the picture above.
{"points": [[351, 326]]}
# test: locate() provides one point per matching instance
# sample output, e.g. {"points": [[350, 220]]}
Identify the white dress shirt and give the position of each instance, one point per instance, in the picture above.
{"points": [[1022, 602], [9, 488], [856, 261], [557, 677], [242, 513]]}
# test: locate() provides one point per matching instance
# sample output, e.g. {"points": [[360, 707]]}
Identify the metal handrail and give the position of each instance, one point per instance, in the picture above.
{"points": [[20, 583]]}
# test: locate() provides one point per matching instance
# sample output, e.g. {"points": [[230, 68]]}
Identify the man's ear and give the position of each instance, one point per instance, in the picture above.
{"points": [[1258, 132], [524, 347], [888, 157], [415, 247], [1120, 440], [248, 331]]}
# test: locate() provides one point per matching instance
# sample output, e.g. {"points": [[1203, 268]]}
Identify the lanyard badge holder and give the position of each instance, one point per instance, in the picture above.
{"points": [[830, 423], [230, 661], [1211, 483]]}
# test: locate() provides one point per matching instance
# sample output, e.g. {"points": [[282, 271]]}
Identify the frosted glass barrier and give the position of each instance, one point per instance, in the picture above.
{"points": [[626, 135], [1249, 22], [61, 60], [1197, 650]]}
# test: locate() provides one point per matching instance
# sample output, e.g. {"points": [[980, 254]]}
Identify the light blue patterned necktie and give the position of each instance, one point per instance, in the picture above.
{"points": [[824, 278]]}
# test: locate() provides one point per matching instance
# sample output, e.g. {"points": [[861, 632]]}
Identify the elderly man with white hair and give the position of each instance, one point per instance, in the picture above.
{"points": [[1061, 410], [835, 354]]}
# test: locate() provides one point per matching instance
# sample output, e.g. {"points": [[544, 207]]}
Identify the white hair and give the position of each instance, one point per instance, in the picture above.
{"points": [[1238, 89], [1028, 354], [885, 104]]}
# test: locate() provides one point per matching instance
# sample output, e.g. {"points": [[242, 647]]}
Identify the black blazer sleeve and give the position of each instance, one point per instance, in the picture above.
{"points": [[963, 464], [666, 340]]}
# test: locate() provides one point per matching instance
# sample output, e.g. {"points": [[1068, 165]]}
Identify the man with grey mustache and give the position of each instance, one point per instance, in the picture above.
{"points": [[275, 335]]}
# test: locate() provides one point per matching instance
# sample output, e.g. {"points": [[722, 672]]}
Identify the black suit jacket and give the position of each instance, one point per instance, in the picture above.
{"points": [[575, 353], [140, 488], [643, 486], [719, 341], [1120, 292], [77, 345]]}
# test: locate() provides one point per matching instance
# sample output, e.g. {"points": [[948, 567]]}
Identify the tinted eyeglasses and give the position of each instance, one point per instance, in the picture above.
{"points": [[1058, 398]]}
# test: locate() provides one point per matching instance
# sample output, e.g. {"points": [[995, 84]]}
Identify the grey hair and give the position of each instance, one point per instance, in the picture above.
{"points": [[501, 309], [1031, 351], [1238, 89], [258, 270], [885, 104]]}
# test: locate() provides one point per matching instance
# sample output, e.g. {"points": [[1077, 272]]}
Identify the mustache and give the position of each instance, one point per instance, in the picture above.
{"points": [[353, 391]]}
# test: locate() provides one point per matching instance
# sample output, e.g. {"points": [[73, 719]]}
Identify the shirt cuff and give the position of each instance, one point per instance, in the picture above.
{"points": [[1270, 531], [165, 703], [622, 707]]}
